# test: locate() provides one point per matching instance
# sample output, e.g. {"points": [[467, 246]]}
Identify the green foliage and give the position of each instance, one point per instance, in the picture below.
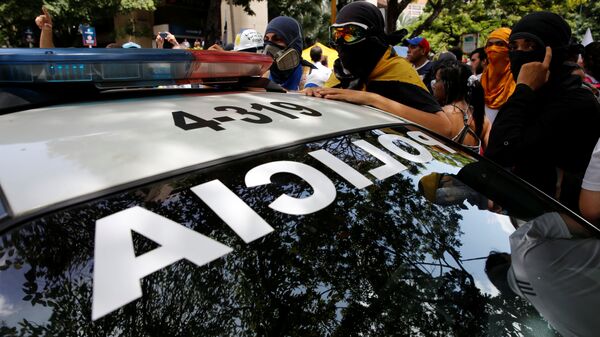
{"points": [[483, 16], [128, 5], [16, 15], [313, 16]]}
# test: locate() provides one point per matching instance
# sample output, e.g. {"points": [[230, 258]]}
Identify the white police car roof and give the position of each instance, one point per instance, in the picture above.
{"points": [[60, 153]]}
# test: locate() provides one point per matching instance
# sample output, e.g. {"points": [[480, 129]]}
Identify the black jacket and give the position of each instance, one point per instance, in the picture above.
{"points": [[537, 133]]}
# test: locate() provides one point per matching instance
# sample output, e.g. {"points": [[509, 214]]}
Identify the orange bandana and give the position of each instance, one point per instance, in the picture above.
{"points": [[501, 34], [497, 80]]}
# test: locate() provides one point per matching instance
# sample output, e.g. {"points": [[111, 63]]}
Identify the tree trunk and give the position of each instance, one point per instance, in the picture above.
{"points": [[213, 22]]}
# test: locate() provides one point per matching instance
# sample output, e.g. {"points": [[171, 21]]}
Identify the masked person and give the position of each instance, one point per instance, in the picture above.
{"points": [[497, 80], [547, 129], [369, 72], [283, 41]]}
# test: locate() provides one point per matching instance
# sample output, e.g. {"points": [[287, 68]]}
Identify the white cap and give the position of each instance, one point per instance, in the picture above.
{"points": [[248, 38], [131, 45]]}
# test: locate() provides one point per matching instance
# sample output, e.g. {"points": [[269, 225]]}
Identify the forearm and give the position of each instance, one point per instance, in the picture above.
{"points": [[589, 204], [487, 126], [46, 40], [437, 122]]}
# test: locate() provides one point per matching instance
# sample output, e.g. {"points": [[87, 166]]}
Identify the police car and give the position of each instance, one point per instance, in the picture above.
{"points": [[234, 208]]}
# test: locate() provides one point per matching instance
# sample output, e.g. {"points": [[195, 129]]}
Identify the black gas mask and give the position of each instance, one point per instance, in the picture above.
{"points": [[285, 60]]}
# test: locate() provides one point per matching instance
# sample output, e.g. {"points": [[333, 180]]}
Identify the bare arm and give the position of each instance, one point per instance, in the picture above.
{"points": [[589, 205], [46, 40], [44, 23], [437, 122], [485, 132], [574, 227]]}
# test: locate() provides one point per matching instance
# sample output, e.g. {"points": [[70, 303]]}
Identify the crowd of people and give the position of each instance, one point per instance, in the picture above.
{"points": [[520, 103]]}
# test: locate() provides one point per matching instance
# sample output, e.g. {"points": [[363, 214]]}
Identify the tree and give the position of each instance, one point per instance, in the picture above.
{"points": [[445, 21], [313, 16], [394, 8], [15, 15], [436, 8]]}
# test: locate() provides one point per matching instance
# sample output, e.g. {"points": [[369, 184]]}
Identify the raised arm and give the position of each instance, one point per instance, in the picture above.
{"points": [[44, 22]]}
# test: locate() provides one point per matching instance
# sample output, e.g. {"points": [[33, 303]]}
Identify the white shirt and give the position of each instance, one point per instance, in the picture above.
{"points": [[591, 180], [559, 275], [491, 113], [318, 76], [475, 78]]}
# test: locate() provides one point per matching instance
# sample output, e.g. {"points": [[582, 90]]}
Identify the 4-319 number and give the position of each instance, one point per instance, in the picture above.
{"points": [[182, 119]]}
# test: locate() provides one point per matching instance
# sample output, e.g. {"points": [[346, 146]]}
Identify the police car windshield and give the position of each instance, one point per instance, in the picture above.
{"points": [[377, 231]]}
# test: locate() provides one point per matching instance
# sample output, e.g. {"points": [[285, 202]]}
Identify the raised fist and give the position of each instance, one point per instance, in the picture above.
{"points": [[44, 21]]}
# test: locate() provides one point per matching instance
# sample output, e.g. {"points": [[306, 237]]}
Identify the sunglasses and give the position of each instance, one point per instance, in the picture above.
{"points": [[347, 33]]}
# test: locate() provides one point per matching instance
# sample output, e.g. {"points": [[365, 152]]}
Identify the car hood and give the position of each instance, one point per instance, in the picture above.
{"points": [[60, 153]]}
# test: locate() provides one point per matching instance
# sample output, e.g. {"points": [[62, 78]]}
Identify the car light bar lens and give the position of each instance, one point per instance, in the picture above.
{"points": [[121, 66]]}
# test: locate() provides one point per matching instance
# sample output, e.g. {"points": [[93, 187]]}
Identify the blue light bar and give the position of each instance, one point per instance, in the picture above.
{"points": [[123, 67]]}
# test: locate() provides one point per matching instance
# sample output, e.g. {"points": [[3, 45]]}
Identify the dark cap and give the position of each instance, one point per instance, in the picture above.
{"points": [[288, 29], [545, 28], [365, 13]]}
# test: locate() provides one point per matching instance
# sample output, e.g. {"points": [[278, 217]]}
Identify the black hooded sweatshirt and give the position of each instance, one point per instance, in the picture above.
{"points": [[547, 136], [377, 67], [537, 133]]}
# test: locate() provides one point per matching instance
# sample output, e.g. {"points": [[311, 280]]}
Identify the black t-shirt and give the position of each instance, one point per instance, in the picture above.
{"points": [[537, 132], [396, 79]]}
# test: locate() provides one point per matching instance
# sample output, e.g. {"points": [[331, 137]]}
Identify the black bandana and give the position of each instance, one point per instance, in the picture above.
{"points": [[361, 58], [546, 29], [518, 58]]}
